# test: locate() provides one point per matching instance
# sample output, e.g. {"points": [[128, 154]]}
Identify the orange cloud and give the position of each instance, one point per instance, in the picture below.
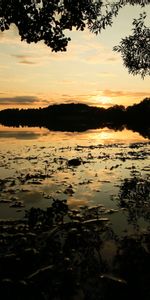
{"points": [[111, 93]]}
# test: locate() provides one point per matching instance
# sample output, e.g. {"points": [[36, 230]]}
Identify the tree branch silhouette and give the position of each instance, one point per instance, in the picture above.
{"points": [[48, 21]]}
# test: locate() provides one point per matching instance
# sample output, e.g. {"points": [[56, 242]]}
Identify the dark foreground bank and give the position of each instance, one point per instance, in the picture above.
{"points": [[71, 254]]}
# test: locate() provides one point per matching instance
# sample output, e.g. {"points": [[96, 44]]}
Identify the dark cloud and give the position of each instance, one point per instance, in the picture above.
{"points": [[26, 62], [24, 59], [19, 100], [22, 135], [65, 95], [20, 56], [112, 58]]}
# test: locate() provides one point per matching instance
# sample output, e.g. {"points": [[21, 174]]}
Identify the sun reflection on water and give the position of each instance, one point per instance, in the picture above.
{"points": [[34, 166]]}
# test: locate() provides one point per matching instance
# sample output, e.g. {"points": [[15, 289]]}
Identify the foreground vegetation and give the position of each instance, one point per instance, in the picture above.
{"points": [[61, 253]]}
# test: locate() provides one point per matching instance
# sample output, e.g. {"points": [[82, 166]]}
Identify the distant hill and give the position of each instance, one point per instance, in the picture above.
{"points": [[80, 117]]}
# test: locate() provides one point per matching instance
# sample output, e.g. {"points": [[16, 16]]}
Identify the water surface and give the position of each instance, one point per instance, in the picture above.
{"points": [[34, 169]]}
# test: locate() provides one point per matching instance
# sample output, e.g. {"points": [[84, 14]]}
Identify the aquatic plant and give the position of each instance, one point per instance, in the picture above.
{"points": [[60, 254]]}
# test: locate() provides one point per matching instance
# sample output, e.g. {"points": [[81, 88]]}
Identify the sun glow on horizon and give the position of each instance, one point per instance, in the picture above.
{"points": [[88, 72], [99, 100]]}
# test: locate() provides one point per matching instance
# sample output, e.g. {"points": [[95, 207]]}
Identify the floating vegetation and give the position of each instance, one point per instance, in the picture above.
{"points": [[134, 195], [82, 245], [74, 162], [89, 174], [52, 255]]}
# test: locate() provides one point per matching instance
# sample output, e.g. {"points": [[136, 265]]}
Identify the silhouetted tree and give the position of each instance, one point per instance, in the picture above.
{"points": [[139, 112], [116, 114], [135, 49], [47, 20]]}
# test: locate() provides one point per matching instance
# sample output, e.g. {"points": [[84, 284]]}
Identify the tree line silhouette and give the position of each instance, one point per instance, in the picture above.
{"points": [[81, 117]]}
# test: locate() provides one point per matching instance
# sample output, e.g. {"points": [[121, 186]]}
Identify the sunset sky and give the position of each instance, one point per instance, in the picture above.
{"points": [[89, 72]]}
